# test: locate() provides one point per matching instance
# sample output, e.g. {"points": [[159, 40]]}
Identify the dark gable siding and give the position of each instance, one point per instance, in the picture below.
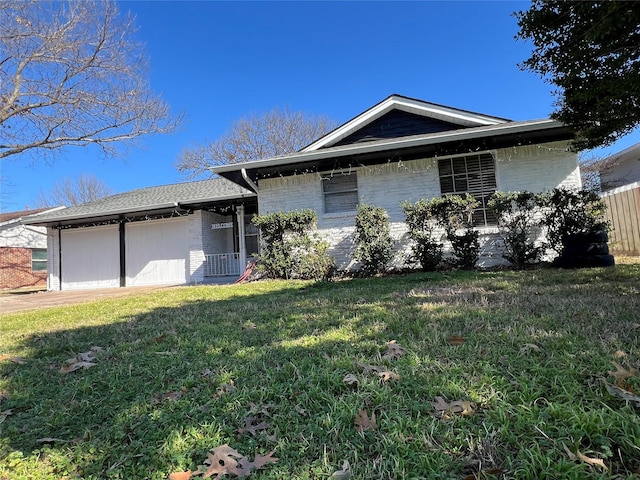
{"points": [[395, 124]]}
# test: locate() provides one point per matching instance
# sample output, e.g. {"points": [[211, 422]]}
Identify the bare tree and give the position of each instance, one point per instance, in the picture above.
{"points": [[69, 192], [275, 133], [71, 74], [592, 170]]}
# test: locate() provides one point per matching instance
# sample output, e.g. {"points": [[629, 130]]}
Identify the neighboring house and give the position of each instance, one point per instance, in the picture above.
{"points": [[172, 234], [406, 149], [23, 251], [621, 169]]}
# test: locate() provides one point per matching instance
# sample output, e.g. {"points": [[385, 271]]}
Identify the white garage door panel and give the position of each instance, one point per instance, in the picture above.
{"points": [[156, 252], [90, 258]]}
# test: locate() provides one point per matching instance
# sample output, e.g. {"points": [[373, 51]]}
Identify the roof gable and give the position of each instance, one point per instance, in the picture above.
{"points": [[399, 116]]}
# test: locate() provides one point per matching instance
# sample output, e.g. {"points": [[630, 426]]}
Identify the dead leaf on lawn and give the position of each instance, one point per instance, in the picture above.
{"points": [[4, 414], [619, 354], [367, 369], [351, 380], [345, 473], [621, 374], [364, 422], [455, 340], [80, 361], [224, 389], [530, 347], [181, 475], [445, 409], [580, 456], [251, 427], [388, 375], [260, 409], [224, 460], [51, 440], [394, 351], [621, 393], [173, 396], [17, 360], [249, 326]]}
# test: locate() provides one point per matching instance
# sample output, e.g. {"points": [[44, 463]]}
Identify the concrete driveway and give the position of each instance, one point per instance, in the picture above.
{"points": [[19, 301]]}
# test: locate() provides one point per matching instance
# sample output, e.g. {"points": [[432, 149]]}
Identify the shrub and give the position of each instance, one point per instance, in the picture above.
{"points": [[425, 249], [289, 249], [570, 212], [518, 219], [374, 245], [455, 215]]}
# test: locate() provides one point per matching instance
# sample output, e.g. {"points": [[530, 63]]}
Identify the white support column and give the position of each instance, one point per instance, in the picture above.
{"points": [[241, 241]]}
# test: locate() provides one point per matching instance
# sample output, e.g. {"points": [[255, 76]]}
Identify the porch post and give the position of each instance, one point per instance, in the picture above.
{"points": [[241, 241]]}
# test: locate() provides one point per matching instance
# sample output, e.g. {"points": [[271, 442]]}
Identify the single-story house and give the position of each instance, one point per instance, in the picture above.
{"points": [[403, 149], [621, 169], [172, 234], [23, 251]]}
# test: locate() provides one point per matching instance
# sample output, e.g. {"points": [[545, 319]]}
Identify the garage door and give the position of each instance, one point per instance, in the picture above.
{"points": [[156, 252], [90, 258]]}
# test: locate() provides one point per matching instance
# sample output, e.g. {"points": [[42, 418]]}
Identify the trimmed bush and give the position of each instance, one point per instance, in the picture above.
{"points": [[425, 249], [290, 249], [518, 215], [372, 239]]}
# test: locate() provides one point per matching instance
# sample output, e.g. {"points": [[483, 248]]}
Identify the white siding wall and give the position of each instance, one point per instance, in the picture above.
{"points": [[13, 234], [536, 168]]}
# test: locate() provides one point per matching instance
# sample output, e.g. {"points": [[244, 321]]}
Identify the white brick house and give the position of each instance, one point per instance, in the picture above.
{"points": [[405, 149]]}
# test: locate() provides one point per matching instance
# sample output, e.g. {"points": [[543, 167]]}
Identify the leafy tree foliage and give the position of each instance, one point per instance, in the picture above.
{"points": [[69, 192], [257, 136], [591, 51], [71, 74]]}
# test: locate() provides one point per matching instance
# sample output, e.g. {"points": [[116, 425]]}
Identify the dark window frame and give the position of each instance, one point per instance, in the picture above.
{"points": [[41, 262], [474, 174], [340, 192]]}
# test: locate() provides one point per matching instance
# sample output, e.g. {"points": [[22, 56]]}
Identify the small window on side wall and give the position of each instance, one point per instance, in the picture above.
{"points": [[340, 192], [474, 174], [38, 260]]}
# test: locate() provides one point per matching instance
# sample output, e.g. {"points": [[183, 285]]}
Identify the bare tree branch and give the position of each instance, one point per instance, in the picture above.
{"points": [[71, 74], [68, 192], [275, 133]]}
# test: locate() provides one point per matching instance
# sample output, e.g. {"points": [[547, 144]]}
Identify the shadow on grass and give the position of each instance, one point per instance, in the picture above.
{"points": [[181, 371]]}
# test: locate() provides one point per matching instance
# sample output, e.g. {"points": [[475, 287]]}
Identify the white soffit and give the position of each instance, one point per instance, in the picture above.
{"points": [[417, 107]]}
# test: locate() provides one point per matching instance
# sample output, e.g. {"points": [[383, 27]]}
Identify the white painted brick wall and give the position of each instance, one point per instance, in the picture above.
{"points": [[535, 168], [196, 252], [53, 260]]}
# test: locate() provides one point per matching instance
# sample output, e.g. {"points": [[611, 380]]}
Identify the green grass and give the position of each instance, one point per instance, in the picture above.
{"points": [[286, 346]]}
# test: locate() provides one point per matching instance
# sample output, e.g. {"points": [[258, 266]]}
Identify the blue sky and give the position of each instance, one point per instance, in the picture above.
{"points": [[216, 62]]}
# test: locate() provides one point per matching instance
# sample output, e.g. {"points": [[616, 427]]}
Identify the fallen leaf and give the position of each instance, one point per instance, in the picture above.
{"points": [[364, 422], [345, 473], [260, 409], [528, 347], [621, 374], [258, 462], [580, 456], [181, 475], [455, 340], [459, 407], [18, 360], [161, 397], [351, 380], [80, 361], [5, 414], [367, 369], [224, 460], [619, 354], [388, 375], [250, 427], [394, 351], [224, 389], [72, 367], [621, 393], [249, 326], [51, 440]]}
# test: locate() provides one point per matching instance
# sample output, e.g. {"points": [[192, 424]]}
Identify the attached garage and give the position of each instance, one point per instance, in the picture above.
{"points": [[156, 252], [90, 257]]}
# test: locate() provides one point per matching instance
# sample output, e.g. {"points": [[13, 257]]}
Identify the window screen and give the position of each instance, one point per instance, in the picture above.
{"points": [[340, 193], [474, 174]]}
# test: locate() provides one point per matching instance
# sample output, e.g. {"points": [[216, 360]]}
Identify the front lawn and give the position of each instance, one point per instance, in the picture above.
{"points": [[492, 375]]}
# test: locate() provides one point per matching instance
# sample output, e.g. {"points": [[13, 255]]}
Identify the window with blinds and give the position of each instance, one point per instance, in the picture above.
{"points": [[474, 174], [340, 192]]}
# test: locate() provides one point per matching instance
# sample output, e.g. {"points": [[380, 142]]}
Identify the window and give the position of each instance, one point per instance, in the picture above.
{"points": [[340, 193], [474, 174], [38, 260]]}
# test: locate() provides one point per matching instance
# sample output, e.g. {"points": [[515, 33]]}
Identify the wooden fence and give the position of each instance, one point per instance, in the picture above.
{"points": [[623, 212]]}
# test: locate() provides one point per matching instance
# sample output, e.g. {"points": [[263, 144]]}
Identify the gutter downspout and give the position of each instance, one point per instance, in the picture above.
{"points": [[250, 182]]}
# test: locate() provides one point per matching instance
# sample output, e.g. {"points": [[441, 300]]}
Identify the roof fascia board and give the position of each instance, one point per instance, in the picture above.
{"points": [[108, 213], [409, 105], [455, 135], [32, 215]]}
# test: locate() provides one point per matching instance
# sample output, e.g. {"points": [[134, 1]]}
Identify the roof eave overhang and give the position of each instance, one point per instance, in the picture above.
{"points": [[442, 144]]}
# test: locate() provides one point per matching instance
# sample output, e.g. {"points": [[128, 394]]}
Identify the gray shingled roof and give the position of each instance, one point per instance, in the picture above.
{"points": [[148, 199]]}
